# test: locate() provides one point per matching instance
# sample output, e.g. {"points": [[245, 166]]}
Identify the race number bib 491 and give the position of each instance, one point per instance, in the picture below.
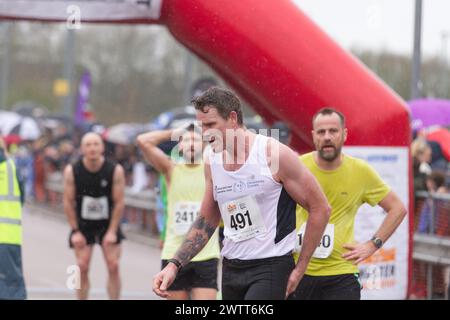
{"points": [[185, 214], [242, 219], [326, 245], [94, 208]]}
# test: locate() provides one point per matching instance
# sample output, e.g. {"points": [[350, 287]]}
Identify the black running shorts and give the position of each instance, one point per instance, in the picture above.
{"points": [[95, 235], [197, 274], [338, 287]]}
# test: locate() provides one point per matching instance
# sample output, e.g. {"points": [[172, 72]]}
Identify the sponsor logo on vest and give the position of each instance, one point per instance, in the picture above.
{"points": [[223, 189], [231, 207], [104, 183], [254, 183], [239, 186]]}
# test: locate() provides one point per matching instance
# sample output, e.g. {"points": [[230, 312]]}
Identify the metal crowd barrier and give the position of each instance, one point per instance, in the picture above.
{"points": [[431, 254]]}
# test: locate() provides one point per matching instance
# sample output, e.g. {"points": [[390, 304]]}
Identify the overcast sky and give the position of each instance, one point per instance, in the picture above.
{"points": [[378, 24]]}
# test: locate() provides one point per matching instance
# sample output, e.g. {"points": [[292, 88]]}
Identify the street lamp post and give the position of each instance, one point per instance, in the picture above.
{"points": [[4, 69], [445, 35], [68, 71], [415, 77]]}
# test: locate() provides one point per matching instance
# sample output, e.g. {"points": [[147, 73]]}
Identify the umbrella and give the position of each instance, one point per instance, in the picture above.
{"points": [[441, 136], [123, 133], [27, 129], [8, 120], [175, 118], [12, 139], [429, 112], [12, 123], [29, 109]]}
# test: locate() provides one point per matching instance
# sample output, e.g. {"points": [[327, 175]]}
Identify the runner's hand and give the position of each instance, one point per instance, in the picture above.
{"points": [[164, 279], [78, 240], [294, 280], [110, 238], [359, 252]]}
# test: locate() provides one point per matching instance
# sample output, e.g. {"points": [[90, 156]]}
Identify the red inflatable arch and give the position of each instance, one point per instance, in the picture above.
{"points": [[281, 63]]}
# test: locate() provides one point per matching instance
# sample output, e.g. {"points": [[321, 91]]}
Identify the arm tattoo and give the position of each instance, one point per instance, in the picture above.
{"points": [[196, 239]]}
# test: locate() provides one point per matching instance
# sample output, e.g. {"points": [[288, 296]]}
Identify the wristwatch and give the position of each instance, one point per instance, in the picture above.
{"points": [[377, 242], [175, 262]]}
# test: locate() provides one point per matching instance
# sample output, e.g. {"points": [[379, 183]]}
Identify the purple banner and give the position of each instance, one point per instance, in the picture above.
{"points": [[84, 89]]}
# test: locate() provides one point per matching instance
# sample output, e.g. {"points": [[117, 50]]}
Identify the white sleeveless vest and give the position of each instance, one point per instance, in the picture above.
{"points": [[258, 213]]}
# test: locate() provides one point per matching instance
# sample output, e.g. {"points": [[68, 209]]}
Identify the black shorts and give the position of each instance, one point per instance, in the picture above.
{"points": [[259, 279], [339, 287], [197, 274], [94, 234]]}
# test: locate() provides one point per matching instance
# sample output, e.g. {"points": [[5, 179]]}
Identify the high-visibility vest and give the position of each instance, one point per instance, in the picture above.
{"points": [[10, 205]]}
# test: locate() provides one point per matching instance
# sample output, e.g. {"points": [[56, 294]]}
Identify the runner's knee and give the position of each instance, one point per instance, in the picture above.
{"points": [[83, 264], [113, 265]]}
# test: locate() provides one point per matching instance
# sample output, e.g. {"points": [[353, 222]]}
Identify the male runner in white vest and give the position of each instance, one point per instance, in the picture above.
{"points": [[254, 183]]}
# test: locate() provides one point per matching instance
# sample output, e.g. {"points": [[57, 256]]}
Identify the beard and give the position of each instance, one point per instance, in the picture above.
{"points": [[330, 155]]}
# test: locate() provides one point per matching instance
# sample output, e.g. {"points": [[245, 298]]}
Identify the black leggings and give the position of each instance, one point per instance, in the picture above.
{"points": [[259, 279]]}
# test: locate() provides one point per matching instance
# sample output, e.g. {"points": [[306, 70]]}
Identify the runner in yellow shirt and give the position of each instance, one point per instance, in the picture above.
{"points": [[185, 188], [348, 183]]}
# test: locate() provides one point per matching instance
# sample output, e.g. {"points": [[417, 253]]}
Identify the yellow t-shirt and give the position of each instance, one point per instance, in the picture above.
{"points": [[184, 197], [355, 182]]}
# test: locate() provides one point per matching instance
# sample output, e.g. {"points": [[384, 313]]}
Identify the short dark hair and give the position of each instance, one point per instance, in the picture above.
{"points": [[438, 178], [328, 111], [224, 100]]}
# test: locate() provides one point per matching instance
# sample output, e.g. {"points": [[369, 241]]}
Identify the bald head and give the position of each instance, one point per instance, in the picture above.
{"points": [[91, 136], [92, 146]]}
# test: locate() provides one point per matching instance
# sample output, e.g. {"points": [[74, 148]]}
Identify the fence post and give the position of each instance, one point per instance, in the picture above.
{"points": [[432, 216], [429, 281]]}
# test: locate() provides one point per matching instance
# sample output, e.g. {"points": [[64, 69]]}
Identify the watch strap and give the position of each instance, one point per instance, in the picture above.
{"points": [[175, 262]]}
